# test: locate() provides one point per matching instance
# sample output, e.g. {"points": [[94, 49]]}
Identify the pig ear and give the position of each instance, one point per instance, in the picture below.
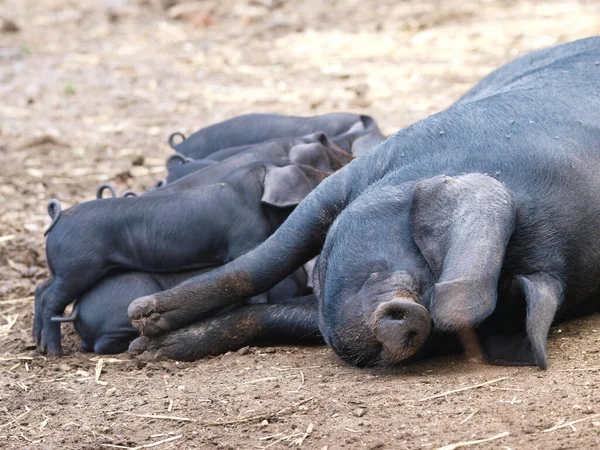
{"points": [[312, 154], [287, 186], [462, 226], [543, 294]]}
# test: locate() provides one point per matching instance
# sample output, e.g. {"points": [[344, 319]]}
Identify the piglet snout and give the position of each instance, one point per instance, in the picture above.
{"points": [[402, 327]]}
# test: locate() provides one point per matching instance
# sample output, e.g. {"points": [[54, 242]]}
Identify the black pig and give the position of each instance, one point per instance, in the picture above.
{"points": [[255, 128], [484, 216]]}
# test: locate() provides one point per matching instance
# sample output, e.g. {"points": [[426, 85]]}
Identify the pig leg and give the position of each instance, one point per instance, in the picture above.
{"points": [[294, 323], [38, 308], [51, 300]]}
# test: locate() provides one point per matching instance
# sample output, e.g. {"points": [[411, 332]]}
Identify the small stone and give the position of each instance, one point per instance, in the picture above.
{"points": [[359, 412], [110, 392], [8, 26], [137, 160], [243, 351], [264, 423]]}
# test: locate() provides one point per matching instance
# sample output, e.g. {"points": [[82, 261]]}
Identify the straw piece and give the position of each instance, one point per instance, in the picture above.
{"points": [[153, 444], [287, 410], [16, 418], [478, 441], [12, 301], [443, 394], [568, 424]]}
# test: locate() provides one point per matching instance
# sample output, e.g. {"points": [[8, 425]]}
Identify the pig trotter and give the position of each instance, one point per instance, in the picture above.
{"points": [[148, 317]]}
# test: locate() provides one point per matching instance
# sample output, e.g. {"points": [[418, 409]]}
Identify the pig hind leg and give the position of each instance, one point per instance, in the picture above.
{"points": [[52, 300]]}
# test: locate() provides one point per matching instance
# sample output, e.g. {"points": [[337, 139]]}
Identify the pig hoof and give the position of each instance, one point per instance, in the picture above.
{"points": [[142, 307], [147, 317], [156, 324], [143, 350], [139, 345], [49, 341]]}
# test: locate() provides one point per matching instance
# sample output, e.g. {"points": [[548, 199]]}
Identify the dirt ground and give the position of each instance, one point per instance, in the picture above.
{"points": [[87, 87]]}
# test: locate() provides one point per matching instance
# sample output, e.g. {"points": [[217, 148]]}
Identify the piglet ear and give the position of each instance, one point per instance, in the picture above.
{"points": [[462, 226], [287, 186], [312, 155]]}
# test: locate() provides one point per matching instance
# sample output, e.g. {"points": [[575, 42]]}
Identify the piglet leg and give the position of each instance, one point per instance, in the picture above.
{"points": [[51, 299]]}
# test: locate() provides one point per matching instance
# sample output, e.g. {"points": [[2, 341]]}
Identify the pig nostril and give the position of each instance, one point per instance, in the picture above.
{"points": [[397, 315], [411, 337]]}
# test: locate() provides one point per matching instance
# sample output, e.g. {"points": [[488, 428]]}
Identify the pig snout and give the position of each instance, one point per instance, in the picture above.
{"points": [[401, 326]]}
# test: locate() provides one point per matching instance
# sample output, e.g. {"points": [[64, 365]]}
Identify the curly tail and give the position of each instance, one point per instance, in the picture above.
{"points": [[71, 318], [176, 158], [172, 137], [54, 211], [104, 187]]}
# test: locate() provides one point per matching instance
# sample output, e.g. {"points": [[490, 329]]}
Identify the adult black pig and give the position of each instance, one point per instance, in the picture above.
{"points": [[488, 211]]}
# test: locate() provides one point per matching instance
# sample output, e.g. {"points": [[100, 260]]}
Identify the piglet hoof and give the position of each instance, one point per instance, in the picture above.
{"points": [[50, 344]]}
